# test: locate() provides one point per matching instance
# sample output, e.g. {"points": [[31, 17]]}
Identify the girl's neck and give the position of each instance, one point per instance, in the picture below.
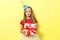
{"points": [[28, 18]]}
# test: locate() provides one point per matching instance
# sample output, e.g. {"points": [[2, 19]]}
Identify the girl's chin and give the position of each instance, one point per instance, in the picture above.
{"points": [[27, 16]]}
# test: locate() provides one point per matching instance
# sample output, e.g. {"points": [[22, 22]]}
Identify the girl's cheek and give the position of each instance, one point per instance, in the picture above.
{"points": [[30, 13], [26, 14]]}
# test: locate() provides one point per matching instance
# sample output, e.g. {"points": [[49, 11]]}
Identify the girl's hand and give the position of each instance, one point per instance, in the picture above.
{"points": [[24, 32], [21, 31]]}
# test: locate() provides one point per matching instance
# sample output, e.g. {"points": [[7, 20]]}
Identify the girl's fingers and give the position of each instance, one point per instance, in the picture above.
{"points": [[23, 32]]}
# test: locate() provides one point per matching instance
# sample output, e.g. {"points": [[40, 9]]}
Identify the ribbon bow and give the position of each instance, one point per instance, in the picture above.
{"points": [[30, 29]]}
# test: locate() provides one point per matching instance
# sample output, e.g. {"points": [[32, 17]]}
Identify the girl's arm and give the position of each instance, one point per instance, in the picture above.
{"points": [[21, 28], [22, 31]]}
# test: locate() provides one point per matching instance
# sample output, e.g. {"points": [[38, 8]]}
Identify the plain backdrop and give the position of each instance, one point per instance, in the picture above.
{"points": [[47, 13]]}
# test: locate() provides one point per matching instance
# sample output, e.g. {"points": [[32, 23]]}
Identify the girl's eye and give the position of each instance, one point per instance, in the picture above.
{"points": [[26, 11], [29, 11]]}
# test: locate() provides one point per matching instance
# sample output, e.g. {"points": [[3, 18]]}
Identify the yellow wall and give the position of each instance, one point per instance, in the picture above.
{"points": [[47, 14]]}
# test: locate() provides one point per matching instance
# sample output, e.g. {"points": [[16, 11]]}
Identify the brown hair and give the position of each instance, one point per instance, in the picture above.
{"points": [[32, 16]]}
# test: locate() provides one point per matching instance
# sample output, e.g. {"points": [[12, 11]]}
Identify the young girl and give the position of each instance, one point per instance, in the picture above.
{"points": [[29, 18]]}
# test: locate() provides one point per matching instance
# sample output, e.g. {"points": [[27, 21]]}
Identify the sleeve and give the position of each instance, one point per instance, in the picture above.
{"points": [[21, 22]]}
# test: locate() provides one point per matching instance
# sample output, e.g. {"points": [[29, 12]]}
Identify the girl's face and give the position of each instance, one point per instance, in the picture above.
{"points": [[28, 12]]}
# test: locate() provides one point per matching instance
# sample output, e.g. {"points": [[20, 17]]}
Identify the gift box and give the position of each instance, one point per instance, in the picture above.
{"points": [[30, 29]]}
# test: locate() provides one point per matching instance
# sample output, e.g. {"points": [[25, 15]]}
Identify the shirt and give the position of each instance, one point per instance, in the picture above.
{"points": [[27, 21]]}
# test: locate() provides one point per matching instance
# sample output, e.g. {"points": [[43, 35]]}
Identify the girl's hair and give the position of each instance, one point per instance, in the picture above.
{"points": [[32, 16]]}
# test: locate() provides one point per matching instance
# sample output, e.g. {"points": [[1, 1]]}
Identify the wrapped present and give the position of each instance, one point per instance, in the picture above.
{"points": [[30, 29]]}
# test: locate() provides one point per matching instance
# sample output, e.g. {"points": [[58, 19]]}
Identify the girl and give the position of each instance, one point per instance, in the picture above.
{"points": [[29, 18]]}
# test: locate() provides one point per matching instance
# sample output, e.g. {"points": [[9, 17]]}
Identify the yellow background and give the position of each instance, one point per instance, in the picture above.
{"points": [[47, 13]]}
